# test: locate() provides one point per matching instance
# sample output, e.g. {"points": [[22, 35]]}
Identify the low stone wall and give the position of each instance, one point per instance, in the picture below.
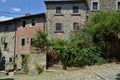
{"points": [[36, 58]]}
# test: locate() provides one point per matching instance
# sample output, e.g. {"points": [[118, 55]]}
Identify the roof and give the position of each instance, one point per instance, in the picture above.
{"points": [[23, 17], [63, 2]]}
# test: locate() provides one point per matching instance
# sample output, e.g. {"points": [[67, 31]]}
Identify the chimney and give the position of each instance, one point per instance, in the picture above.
{"points": [[27, 14]]}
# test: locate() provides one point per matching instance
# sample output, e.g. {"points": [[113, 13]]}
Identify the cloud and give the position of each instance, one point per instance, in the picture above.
{"points": [[16, 9], [3, 18], [3, 0]]}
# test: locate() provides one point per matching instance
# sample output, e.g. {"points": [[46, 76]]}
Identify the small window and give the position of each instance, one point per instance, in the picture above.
{"points": [[10, 59], [33, 22], [118, 5], [31, 41], [24, 23], [75, 26], [5, 46], [23, 41], [58, 26], [6, 28], [95, 5], [58, 9], [75, 9]]}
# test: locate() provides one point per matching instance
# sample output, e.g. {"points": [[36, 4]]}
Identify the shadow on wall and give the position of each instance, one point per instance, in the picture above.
{"points": [[7, 79], [118, 77]]}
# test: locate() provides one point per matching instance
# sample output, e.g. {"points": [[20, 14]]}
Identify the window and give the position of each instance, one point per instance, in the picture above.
{"points": [[95, 5], [58, 26], [24, 23], [118, 5], [5, 46], [33, 22], [75, 26], [23, 41], [6, 28], [75, 9], [58, 9], [31, 41], [10, 59]]}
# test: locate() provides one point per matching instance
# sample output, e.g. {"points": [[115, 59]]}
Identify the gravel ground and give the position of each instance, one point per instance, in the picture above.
{"points": [[103, 72]]}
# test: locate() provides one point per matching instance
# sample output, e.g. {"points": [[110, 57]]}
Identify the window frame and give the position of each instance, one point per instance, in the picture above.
{"points": [[58, 10], [76, 24], [117, 5], [31, 41], [33, 22], [24, 23], [58, 27], [23, 44], [75, 9], [98, 5]]}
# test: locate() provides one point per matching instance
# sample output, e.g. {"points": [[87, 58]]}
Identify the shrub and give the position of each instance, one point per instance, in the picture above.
{"points": [[39, 68]]}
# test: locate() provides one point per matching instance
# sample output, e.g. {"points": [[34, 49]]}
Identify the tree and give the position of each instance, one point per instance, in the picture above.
{"points": [[104, 28], [40, 40]]}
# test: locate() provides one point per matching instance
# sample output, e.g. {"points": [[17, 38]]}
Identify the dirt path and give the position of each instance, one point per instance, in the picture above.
{"points": [[103, 72]]}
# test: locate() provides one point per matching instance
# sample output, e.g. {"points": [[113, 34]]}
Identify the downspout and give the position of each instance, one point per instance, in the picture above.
{"points": [[15, 66]]}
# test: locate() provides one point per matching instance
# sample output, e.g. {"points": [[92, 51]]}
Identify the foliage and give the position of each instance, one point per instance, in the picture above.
{"points": [[104, 28], [40, 40], [72, 55], [25, 63], [39, 68]]}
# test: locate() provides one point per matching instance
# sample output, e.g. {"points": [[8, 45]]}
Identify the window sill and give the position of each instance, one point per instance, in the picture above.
{"points": [[58, 31], [58, 14], [118, 10], [75, 14], [95, 10]]}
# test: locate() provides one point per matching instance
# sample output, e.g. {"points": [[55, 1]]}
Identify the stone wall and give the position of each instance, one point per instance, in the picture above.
{"points": [[8, 37], [67, 18], [105, 5], [34, 59]]}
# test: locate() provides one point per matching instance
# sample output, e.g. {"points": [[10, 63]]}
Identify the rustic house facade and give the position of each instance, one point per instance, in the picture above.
{"points": [[62, 17], [7, 44], [103, 5], [16, 37]]}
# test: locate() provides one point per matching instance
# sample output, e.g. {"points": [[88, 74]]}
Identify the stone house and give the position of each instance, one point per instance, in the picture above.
{"points": [[7, 44], [103, 5], [16, 36], [26, 30], [62, 17]]}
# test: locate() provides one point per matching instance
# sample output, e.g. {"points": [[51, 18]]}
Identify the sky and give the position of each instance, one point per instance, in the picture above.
{"points": [[16, 8]]}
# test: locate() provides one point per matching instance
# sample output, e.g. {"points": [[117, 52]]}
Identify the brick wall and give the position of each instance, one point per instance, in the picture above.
{"points": [[27, 32]]}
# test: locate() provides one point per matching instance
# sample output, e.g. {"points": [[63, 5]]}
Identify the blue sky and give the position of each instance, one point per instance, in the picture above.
{"points": [[16, 8]]}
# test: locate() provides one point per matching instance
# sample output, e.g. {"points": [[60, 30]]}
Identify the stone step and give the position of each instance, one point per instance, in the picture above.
{"points": [[55, 68], [3, 73]]}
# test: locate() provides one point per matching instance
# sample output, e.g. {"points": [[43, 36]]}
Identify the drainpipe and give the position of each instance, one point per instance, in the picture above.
{"points": [[15, 47]]}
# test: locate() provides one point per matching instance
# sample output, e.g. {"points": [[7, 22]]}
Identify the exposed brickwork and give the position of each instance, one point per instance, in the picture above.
{"points": [[27, 32]]}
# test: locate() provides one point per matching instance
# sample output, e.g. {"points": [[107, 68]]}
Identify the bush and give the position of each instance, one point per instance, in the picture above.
{"points": [[39, 68], [25, 63], [72, 55]]}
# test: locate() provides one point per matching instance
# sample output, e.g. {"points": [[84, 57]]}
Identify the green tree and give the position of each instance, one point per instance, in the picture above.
{"points": [[40, 40], [104, 28]]}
